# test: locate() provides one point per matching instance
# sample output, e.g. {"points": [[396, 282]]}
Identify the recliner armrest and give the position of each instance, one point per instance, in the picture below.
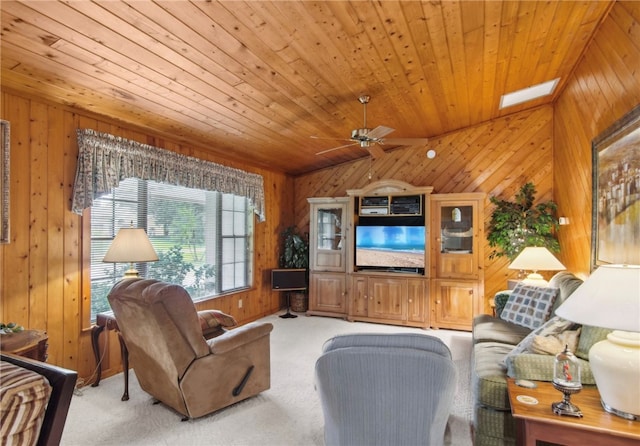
{"points": [[237, 337]]}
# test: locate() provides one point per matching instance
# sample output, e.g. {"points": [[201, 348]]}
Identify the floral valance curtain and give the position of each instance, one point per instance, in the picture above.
{"points": [[104, 160]]}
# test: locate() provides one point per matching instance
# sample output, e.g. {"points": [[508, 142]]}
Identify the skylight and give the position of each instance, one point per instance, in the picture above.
{"points": [[528, 94]]}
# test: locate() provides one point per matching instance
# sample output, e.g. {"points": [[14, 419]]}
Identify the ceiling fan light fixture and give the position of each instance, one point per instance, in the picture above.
{"points": [[528, 94], [360, 134]]}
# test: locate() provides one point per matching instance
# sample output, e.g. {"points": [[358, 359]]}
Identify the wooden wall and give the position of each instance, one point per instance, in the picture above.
{"points": [[550, 146], [496, 158], [41, 280], [40, 271], [605, 86]]}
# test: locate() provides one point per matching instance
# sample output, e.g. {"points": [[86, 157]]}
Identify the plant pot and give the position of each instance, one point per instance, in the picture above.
{"points": [[299, 302]]}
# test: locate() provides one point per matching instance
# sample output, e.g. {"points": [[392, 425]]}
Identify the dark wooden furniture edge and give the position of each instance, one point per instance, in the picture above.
{"points": [[63, 382], [108, 320]]}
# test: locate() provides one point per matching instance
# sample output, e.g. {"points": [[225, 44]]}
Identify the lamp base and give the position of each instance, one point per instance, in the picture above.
{"points": [[625, 415], [131, 273], [535, 279], [615, 363]]}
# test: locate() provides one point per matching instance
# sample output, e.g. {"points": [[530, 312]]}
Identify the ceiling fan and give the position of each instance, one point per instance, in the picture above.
{"points": [[372, 139]]}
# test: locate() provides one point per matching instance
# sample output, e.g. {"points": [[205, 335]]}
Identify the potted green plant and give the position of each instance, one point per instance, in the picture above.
{"points": [[517, 224], [295, 254]]}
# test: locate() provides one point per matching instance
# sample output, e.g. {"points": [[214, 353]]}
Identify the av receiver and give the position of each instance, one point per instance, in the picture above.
{"points": [[410, 204], [391, 205], [375, 201]]}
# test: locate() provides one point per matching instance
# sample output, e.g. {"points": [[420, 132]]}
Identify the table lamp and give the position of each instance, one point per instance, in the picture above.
{"points": [[536, 258], [130, 245], [610, 298]]}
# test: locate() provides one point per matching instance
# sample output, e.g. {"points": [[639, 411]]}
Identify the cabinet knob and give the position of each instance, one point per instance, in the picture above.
{"points": [[410, 300], [437, 301]]}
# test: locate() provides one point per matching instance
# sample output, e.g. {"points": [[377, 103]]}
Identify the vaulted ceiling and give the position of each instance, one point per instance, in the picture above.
{"points": [[253, 81]]}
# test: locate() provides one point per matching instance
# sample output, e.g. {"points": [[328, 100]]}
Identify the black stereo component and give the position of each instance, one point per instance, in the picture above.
{"points": [[410, 205], [375, 201]]}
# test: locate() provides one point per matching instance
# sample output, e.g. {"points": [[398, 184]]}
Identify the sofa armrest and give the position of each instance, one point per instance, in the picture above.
{"points": [[237, 337], [537, 367], [63, 383]]}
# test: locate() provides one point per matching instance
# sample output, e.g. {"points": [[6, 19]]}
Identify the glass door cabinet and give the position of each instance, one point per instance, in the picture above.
{"points": [[328, 223]]}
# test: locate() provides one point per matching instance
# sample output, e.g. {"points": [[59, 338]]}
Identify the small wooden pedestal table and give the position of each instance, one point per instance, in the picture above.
{"points": [[536, 421], [108, 320], [27, 343]]}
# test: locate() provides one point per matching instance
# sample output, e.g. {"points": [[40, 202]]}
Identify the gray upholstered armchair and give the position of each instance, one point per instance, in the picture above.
{"points": [[172, 360], [385, 389]]}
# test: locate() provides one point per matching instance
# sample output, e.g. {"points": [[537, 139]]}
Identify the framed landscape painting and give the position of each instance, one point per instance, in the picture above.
{"points": [[616, 193]]}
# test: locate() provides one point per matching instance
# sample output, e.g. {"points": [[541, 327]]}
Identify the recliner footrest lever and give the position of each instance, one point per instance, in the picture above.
{"points": [[240, 386]]}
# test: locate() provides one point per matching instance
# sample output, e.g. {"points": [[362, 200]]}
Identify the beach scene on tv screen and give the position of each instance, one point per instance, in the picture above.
{"points": [[390, 246]]}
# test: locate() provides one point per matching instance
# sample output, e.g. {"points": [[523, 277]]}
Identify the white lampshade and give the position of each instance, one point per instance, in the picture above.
{"points": [[610, 298], [131, 245], [536, 258]]}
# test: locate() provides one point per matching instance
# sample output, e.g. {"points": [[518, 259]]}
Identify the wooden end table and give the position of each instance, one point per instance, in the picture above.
{"points": [[108, 320], [31, 344], [596, 426]]}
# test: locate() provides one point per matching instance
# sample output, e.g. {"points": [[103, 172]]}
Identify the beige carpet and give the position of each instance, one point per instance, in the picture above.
{"points": [[287, 414]]}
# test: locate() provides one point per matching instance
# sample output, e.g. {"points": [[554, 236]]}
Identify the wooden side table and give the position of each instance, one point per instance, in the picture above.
{"points": [[538, 422], [27, 343], [108, 320]]}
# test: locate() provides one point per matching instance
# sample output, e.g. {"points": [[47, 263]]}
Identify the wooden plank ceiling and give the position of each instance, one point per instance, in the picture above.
{"points": [[254, 80]]}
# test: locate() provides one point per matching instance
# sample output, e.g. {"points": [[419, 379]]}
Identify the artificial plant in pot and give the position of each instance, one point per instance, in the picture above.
{"points": [[517, 224], [295, 254]]}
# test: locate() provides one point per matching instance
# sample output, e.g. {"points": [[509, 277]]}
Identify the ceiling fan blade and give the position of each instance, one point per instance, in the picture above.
{"points": [[404, 141], [336, 148], [375, 150], [332, 139], [379, 132]]}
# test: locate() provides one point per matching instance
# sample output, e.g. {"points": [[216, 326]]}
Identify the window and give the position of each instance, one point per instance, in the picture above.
{"points": [[204, 240]]}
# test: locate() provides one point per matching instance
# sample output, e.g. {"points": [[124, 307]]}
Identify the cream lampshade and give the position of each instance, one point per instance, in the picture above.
{"points": [[610, 298], [131, 245], [536, 258]]}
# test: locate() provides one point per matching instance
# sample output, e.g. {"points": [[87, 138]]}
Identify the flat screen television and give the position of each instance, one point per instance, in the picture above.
{"points": [[288, 279], [390, 247]]}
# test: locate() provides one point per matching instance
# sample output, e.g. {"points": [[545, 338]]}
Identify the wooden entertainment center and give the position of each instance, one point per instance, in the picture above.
{"points": [[397, 254]]}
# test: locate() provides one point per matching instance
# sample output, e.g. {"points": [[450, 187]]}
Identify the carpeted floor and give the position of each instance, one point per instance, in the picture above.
{"points": [[287, 414]]}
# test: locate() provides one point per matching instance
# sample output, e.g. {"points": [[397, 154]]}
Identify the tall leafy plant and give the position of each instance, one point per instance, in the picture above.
{"points": [[295, 254], [295, 249], [517, 224]]}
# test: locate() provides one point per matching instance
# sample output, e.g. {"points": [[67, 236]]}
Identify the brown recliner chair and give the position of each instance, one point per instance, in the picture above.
{"points": [[172, 360]]}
